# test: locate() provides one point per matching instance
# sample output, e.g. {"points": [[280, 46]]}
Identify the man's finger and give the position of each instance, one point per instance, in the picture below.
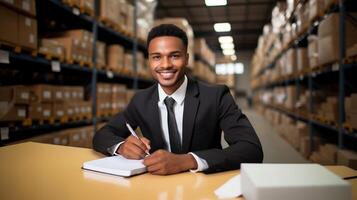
{"points": [[137, 142], [146, 142]]}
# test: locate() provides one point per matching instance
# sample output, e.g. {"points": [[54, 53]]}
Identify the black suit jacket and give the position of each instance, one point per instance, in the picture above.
{"points": [[208, 110]]}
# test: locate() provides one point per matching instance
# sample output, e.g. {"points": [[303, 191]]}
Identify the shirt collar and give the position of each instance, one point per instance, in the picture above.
{"points": [[178, 95]]}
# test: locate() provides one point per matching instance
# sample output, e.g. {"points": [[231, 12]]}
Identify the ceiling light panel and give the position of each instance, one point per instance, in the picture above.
{"points": [[222, 27], [216, 2]]}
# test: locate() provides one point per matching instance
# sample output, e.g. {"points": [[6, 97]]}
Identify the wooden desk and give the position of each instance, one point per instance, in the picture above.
{"points": [[42, 171]]}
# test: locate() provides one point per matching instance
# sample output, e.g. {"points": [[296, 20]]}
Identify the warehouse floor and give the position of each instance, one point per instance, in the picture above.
{"points": [[276, 149]]}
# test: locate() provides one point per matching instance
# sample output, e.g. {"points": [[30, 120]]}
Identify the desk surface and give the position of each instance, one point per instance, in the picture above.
{"points": [[42, 171]]}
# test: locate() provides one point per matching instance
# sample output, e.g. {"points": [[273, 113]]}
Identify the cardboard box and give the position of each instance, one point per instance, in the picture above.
{"points": [[128, 63], [41, 93], [35, 111], [115, 57], [347, 158], [291, 64], [9, 3], [72, 48], [351, 51], [51, 47], [8, 19], [10, 112], [58, 111], [15, 94], [27, 6], [101, 54], [302, 59], [27, 32], [316, 9], [88, 5], [328, 43], [313, 51], [109, 11]]}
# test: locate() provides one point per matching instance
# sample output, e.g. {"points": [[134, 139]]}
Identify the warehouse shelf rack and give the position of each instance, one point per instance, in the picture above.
{"points": [[337, 68], [99, 31]]}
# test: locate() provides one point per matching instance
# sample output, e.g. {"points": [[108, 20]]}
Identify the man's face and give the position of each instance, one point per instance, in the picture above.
{"points": [[167, 60]]}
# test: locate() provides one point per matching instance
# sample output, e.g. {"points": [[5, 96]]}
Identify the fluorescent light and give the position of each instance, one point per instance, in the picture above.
{"points": [[216, 2], [225, 39], [227, 46], [230, 68], [239, 68], [222, 27], [228, 52]]}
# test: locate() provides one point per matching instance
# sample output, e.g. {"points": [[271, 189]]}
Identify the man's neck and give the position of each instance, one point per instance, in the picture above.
{"points": [[171, 90]]}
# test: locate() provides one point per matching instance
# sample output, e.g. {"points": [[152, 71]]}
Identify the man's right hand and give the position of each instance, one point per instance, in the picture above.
{"points": [[134, 148]]}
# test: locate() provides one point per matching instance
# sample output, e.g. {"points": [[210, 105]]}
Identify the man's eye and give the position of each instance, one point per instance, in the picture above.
{"points": [[156, 57], [176, 56]]}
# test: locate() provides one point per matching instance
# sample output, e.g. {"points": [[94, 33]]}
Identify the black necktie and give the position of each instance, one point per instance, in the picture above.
{"points": [[171, 121]]}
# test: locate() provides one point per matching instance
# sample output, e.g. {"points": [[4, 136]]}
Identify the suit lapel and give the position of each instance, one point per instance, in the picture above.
{"points": [[189, 114], [154, 119]]}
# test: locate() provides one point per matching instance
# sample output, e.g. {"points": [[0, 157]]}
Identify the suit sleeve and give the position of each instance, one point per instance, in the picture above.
{"points": [[244, 144], [115, 131]]}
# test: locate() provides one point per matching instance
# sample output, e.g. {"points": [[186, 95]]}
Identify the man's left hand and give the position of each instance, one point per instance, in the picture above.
{"points": [[162, 162]]}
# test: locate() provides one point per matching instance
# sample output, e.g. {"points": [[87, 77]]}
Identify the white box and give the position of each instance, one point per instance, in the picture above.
{"points": [[293, 182]]}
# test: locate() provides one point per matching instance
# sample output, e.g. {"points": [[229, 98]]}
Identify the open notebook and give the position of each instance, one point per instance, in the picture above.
{"points": [[116, 165]]}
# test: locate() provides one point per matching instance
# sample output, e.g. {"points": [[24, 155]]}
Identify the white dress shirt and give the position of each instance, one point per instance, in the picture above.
{"points": [[179, 97]]}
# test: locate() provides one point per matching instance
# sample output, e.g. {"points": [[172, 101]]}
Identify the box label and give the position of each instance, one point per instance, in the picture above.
{"points": [[25, 95], [55, 66], [4, 133], [59, 95], [21, 113], [26, 5], [46, 94], [46, 113], [4, 57]]}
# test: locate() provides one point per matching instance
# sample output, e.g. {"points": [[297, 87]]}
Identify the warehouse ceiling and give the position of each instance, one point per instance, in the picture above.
{"points": [[247, 18]]}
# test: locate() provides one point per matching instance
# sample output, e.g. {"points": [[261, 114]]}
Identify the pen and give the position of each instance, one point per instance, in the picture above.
{"points": [[135, 135]]}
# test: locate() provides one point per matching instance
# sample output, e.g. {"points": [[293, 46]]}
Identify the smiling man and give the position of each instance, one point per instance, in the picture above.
{"points": [[181, 119]]}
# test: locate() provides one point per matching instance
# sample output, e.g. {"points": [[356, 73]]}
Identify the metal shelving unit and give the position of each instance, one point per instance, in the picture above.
{"points": [[75, 19], [338, 69]]}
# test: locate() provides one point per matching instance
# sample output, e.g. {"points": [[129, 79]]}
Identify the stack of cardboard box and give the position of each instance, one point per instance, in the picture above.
{"points": [[43, 102], [111, 98], [201, 48], [115, 58], [118, 98], [328, 37], [313, 51], [329, 109], [326, 154], [78, 44], [13, 103], [19, 26], [51, 48], [78, 137], [316, 9], [118, 14], [101, 54], [347, 158]]}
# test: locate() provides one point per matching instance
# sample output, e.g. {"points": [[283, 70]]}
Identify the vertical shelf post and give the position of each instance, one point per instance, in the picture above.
{"points": [[341, 79], [94, 68], [135, 46]]}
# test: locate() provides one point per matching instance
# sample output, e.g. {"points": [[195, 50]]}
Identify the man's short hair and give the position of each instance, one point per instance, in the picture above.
{"points": [[167, 30]]}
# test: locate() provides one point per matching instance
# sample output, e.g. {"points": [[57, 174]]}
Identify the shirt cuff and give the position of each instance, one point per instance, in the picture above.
{"points": [[201, 164], [113, 149]]}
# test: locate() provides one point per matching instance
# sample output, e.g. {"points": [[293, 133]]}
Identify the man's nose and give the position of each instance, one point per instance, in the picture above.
{"points": [[166, 62]]}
